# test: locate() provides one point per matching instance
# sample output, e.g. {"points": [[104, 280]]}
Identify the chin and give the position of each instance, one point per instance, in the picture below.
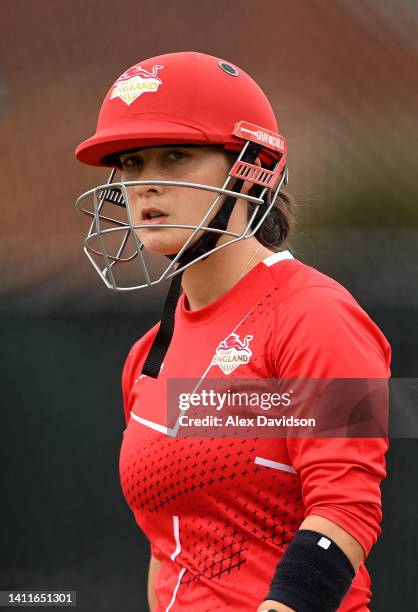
{"points": [[160, 247], [161, 242]]}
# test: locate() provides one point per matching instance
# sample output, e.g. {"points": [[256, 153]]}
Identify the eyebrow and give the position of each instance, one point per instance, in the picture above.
{"points": [[113, 158], [165, 146]]}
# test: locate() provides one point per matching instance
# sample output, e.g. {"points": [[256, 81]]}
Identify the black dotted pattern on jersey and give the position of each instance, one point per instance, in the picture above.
{"points": [[206, 480]]}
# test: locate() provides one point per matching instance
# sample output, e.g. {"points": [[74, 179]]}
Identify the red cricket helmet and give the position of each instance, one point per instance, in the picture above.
{"points": [[180, 98], [177, 98]]}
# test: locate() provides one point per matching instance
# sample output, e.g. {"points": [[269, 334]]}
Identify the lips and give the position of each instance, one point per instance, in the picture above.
{"points": [[151, 212], [152, 215]]}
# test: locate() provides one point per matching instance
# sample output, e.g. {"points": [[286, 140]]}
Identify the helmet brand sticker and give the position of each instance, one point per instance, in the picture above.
{"points": [[232, 352], [135, 82], [231, 70], [249, 131]]}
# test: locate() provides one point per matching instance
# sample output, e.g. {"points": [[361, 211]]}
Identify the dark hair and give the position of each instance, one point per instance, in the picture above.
{"points": [[279, 222]]}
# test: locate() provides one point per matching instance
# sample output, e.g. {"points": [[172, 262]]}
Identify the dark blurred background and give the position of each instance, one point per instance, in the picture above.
{"points": [[343, 78]]}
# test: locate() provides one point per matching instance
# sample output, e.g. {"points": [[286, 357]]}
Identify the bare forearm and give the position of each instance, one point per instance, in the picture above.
{"points": [[154, 566]]}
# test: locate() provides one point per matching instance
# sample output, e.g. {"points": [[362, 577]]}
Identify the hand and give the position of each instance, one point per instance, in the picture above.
{"points": [[269, 604]]}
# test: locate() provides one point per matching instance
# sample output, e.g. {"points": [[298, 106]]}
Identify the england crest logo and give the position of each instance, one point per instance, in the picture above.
{"points": [[232, 352], [135, 82]]}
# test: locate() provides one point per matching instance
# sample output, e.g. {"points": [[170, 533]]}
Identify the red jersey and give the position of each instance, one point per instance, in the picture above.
{"points": [[219, 513]]}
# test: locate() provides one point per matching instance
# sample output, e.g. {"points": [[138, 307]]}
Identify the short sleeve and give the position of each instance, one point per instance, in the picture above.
{"points": [[155, 552], [132, 365], [323, 333], [127, 382]]}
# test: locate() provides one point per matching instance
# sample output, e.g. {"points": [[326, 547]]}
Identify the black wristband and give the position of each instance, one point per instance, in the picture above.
{"points": [[313, 575]]}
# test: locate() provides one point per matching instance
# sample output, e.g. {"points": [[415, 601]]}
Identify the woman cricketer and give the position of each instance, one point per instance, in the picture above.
{"points": [[242, 524]]}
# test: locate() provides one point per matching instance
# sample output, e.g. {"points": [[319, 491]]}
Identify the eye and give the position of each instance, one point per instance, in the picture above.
{"points": [[177, 155], [130, 161]]}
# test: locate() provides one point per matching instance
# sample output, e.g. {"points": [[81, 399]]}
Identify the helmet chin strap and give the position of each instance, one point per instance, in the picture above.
{"points": [[204, 244]]}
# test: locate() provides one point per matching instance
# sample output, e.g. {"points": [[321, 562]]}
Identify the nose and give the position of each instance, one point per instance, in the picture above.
{"points": [[144, 191], [143, 174]]}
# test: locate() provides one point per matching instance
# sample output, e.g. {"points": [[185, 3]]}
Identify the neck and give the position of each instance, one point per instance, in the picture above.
{"points": [[205, 281]]}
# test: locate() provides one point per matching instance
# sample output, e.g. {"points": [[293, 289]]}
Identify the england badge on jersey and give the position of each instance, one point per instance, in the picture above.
{"points": [[232, 352]]}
